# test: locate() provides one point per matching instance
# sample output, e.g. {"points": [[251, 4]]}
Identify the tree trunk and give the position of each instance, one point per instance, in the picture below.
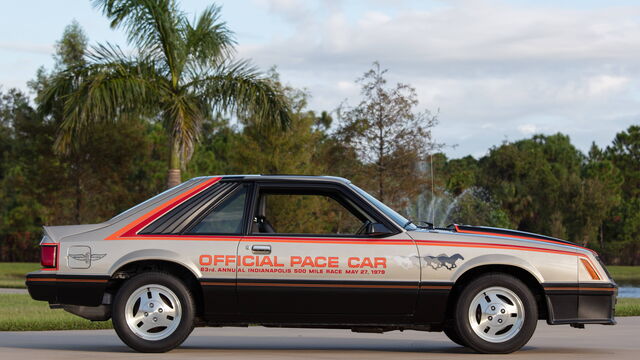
{"points": [[78, 188], [173, 177]]}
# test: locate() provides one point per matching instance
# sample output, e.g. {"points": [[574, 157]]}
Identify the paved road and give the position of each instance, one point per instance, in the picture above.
{"points": [[13, 291], [552, 342]]}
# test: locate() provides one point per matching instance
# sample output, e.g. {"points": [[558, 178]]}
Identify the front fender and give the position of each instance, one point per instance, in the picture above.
{"points": [[497, 259]]}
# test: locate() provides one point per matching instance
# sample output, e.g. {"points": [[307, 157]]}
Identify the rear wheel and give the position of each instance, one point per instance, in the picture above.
{"points": [[153, 312], [496, 313]]}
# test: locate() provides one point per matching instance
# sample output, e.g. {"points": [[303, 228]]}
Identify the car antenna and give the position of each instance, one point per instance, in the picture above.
{"points": [[433, 193]]}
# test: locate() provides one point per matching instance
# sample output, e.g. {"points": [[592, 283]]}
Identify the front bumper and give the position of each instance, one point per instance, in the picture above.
{"points": [[67, 289], [586, 303]]}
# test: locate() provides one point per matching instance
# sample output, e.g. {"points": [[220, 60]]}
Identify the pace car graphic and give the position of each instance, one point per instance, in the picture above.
{"points": [[312, 251]]}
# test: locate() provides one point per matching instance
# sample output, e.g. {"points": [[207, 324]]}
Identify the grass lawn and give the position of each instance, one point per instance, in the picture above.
{"points": [[12, 275], [628, 307], [625, 274], [18, 312]]}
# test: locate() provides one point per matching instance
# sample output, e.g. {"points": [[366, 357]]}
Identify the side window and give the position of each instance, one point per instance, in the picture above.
{"points": [[226, 218], [318, 214]]}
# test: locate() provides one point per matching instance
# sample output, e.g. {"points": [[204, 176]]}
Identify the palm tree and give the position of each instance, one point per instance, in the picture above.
{"points": [[182, 72]]}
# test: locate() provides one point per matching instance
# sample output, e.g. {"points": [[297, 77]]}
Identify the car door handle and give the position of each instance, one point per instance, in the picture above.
{"points": [[261, 249]]}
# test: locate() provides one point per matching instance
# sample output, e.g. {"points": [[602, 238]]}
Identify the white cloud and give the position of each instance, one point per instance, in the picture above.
{"points": [[347, 87], [606, 84], [521, 68], [26, 47], [527, 129]]}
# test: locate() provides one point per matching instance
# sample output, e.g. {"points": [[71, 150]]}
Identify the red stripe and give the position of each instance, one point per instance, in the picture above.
{"points": [[144, 220]]}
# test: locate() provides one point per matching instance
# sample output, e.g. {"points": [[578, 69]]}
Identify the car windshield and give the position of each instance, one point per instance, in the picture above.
{"points": [[397, 218]]}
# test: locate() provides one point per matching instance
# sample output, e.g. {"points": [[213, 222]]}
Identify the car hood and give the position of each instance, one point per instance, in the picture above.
{"points": [[513, 238]]}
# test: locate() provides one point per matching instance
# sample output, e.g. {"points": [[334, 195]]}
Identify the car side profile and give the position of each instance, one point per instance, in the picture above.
{"points": [[312, 251]]}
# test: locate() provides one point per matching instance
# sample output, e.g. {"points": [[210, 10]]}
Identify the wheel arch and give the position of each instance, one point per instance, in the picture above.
{"points": [[133, 265], [522, 273], [158, 255]]}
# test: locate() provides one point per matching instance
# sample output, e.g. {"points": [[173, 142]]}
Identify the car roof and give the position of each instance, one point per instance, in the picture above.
{"points": [[309, 178]]}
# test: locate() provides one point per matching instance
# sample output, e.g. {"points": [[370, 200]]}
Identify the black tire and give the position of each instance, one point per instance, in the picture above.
{"points": [[479, 286], [452, 334], [179, 334]]}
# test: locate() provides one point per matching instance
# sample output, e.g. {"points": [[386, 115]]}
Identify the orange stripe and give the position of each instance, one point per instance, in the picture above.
{"points": [[162, 207], [68, 280], [435, 287], [496, 246], [579, 288], [337, 241], [42, 279], [217, 283], [366, 242], [518, 237]]}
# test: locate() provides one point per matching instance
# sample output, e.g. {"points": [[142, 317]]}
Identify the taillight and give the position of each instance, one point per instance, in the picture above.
{"points": [[49, 256]]}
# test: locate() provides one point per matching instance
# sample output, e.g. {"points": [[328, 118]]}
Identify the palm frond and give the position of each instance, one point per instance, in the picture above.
{"points": [[238, 87], [209, 41], [110, 90], [153, 26]]}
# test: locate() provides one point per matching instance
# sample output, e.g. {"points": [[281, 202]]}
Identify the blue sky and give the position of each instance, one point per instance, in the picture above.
{"points": [[496, 70]]}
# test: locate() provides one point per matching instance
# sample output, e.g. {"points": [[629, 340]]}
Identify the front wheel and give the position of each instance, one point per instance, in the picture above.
{"points": [[496, 313], [153, 312], [452, 333]]}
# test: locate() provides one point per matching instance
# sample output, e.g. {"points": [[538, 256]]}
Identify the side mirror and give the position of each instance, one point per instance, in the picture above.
{"points": [[377, 229]]}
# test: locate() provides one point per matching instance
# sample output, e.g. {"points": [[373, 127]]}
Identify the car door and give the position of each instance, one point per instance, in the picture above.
{"points": [[214, 227], [306, 254]]}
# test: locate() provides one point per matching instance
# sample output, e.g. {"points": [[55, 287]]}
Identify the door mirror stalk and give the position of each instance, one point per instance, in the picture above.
{"points": [[377, 229]]}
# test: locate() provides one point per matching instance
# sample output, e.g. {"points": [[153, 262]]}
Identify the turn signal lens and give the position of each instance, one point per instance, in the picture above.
{"points": [[48, 256], [592, 272]]}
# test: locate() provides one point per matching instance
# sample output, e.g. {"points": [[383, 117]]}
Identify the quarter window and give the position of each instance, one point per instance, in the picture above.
{"points": [[226, 218]]}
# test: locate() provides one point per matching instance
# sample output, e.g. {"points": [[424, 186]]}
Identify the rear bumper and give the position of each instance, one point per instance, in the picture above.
{"points": [[67, 289], [581, 303]]}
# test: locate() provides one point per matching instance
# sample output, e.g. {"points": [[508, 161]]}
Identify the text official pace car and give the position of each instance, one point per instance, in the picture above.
{"points": [[303, 251]]}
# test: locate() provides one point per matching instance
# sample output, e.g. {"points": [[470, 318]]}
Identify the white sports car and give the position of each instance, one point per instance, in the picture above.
{"points": [[312, 251]]}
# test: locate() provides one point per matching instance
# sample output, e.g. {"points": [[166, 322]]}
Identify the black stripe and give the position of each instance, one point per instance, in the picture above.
{"points": [[83, 277], [436, 283], [227, 281], [442, 285], [333, 282], [492, 230], [337, 282], [68, 277]]}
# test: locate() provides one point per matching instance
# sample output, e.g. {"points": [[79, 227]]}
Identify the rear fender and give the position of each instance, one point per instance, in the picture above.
{"points": [[154, 254]]}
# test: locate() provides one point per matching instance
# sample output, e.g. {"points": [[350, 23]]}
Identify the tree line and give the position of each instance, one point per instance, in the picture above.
{"points": [[103, 131]]}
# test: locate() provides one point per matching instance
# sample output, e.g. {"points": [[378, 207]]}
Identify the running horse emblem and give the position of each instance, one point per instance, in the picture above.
{"points": [[442, 260]]}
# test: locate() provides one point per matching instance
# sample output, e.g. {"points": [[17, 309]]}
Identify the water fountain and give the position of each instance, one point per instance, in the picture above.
{"points": [[442, 209]]}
